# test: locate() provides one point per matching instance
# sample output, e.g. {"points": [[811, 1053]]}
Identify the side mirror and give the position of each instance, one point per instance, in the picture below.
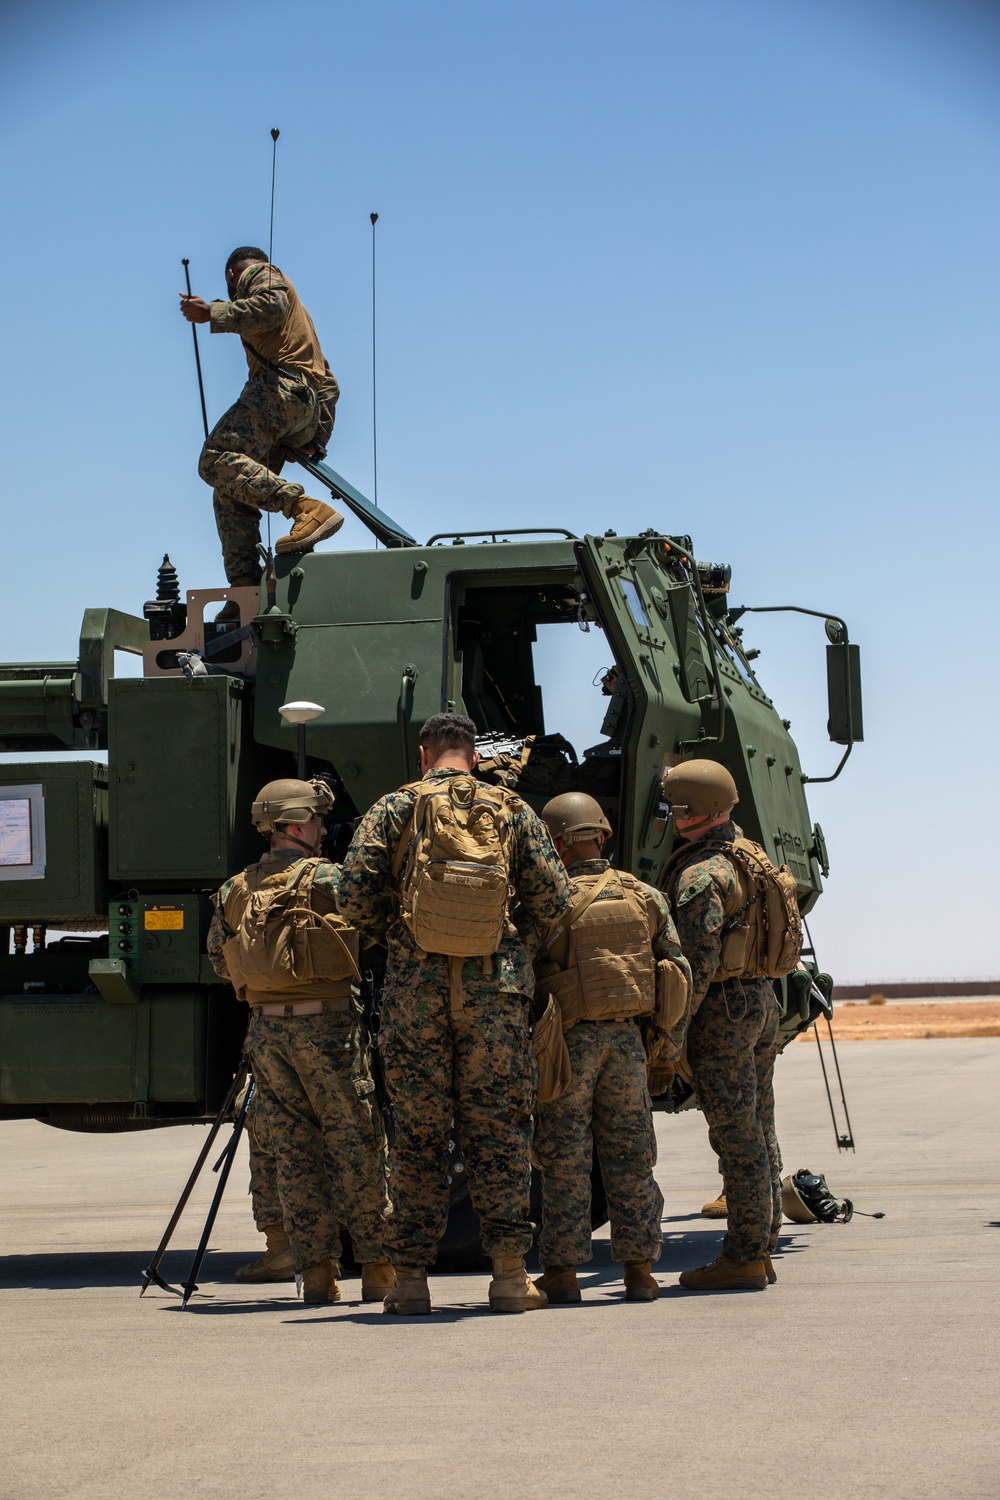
{"points": [[843, 687], [843, 677]]}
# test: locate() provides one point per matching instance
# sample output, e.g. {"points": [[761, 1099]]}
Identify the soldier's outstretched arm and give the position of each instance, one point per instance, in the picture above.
{"points": [[260, 311]]}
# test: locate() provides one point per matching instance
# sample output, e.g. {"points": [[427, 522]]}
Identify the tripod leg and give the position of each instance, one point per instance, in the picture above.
{"points": [[191, 1285], [151, 1272]]}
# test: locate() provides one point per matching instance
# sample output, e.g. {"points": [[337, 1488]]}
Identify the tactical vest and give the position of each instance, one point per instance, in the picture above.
{"points": [[762, 931], [599, 964], [289, 942]]}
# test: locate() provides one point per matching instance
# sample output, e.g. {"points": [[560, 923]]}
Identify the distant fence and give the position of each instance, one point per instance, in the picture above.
{"points": [[917, 989]]}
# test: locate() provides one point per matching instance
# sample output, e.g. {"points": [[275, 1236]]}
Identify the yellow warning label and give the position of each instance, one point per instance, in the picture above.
{"points": [[164, 919]]}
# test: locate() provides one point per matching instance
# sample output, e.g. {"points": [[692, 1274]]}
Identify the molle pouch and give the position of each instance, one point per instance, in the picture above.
{"points": [[564, 989], [327, 951], [459, 909], [671, 995], [735, 943], [231, 953], [548, 1042]]}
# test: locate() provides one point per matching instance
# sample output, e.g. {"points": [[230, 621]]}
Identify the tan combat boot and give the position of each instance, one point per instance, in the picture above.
{"points": [[716, 1209], [276, 1263], [639, 1284], [410, 1296], [229, 614], [559, 1284], [318, 1284], [512, 1289], [771, 1273], [377, 1278], [725, 1275], [313, 521]]}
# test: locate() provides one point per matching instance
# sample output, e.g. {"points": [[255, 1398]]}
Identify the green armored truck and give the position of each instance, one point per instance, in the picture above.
{"points": [[111, 1016]]}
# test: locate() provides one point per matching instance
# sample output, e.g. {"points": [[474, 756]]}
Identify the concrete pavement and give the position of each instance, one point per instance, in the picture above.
{"points": [[871, 1369]]}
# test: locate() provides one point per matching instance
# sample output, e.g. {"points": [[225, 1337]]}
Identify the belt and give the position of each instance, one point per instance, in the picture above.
{"points": [[301, 1008]]}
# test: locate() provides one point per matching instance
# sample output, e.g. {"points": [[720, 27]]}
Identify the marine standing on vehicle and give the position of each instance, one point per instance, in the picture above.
{"points": [[738, 922], [278, 936], [288, 402], [612, 966], [430, 872]]}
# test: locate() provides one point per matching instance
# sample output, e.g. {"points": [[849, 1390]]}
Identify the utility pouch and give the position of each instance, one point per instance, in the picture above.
{"points": [[733, 951], [459, 909], [231, 953], [564, 988], [548, 1042], [671, 994]]}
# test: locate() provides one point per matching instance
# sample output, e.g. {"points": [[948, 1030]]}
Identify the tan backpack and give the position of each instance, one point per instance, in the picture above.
{"points": [[452, 866], [280, 943], [762, 934]]}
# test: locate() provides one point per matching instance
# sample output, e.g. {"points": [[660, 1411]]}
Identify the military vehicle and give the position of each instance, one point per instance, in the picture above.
{"points": [[119, 1022]]}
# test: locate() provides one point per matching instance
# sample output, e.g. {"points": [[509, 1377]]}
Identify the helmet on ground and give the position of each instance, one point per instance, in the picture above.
{"points": [[575, 818], [699, 789], [806, 1199], [290, 801]]}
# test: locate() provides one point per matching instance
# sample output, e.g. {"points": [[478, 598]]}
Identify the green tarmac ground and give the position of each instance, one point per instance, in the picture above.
{"points": [[870, 1369]]}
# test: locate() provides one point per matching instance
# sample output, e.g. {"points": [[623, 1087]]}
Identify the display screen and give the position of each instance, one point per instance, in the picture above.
{"points": [[15, 831]]}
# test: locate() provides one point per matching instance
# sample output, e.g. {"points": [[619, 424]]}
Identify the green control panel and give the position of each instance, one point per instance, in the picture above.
{"points": [[158, 938]]}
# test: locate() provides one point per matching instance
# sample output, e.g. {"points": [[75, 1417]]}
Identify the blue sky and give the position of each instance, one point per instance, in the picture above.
{"points": [[725, 267]]}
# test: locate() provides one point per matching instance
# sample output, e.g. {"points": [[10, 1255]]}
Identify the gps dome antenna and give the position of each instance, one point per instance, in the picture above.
{"points": [[374, 219], [197, 352]]}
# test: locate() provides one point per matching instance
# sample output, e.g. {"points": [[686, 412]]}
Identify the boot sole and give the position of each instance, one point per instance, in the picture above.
{"points": [[408, 1312], [514, 1305], [729, 1286], [322, 531], [641, 1296], [715, 1213]]}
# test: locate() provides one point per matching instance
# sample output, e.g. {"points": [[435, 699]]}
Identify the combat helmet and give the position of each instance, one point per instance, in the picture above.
{"points": [[290, 801], [575, 818], [806, 1199], [699, 789]]}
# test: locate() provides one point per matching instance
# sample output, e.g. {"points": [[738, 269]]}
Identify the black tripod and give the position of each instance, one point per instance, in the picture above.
{"points": [[224, 1163]]}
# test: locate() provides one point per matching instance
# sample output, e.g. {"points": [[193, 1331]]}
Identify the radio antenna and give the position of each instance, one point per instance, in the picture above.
{"points": [[270, 259], [374, 219]]}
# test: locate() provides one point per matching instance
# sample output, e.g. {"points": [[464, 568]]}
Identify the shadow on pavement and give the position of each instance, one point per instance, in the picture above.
{"points": [[75, 1269]]}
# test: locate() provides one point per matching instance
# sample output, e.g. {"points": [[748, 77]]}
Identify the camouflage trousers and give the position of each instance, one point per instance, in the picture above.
{"points": [[475, 1068], [732, 1045], [244, 454], [317, 1099], [606, 1106], [264, 1194]]}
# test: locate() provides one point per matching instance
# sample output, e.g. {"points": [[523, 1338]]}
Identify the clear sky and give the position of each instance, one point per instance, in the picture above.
{"points": [[726, 267]]}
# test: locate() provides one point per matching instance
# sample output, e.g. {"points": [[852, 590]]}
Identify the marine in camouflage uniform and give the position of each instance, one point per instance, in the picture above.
{"points": [[607, 1107], [288, 402], [732, 1046], [317, 1097], [472, 1062]]}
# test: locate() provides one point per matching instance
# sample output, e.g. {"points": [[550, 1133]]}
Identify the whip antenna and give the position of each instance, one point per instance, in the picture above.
{"points": [[270, 258], [274, 163], [197, 352], [374, 219]]}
